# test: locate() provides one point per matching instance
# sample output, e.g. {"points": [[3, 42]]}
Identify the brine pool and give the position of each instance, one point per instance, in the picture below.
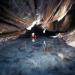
{"points": [[44, 56]]}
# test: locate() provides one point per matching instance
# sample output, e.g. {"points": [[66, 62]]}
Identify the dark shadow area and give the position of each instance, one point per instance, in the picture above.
{"points": [[72, 13]]}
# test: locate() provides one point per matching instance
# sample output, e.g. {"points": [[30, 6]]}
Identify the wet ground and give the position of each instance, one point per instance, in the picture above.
{"points": [[44, 56]]}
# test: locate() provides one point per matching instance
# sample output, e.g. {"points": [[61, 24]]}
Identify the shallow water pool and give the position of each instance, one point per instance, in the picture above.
{"points": [[44, 56]]}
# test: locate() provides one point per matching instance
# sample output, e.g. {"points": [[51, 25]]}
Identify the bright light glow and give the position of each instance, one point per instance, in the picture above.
{"points": [[58, 35], [61, 55], [33, 34], [71, 43], [32, 25], [33, 40], [44, 43], [36, 22], [44, 31], [62, 14]]}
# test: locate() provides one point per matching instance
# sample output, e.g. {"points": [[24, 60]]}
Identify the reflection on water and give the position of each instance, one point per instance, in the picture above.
{"points": [[44, 56]]}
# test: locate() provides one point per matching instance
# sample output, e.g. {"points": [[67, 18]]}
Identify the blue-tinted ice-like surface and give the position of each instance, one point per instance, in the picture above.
{"points": [[45, 56]]}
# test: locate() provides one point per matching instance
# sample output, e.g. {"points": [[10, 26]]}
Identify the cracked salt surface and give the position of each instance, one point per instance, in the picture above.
{"points": [[45, 56]]}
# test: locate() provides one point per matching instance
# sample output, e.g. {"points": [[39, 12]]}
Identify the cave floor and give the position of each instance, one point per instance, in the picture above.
{"points": [[45, 56]]}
